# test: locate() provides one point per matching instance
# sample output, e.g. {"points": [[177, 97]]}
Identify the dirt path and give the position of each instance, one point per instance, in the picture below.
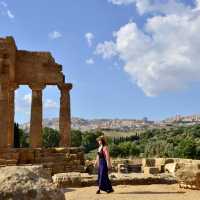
{"points": [[140, 192]]}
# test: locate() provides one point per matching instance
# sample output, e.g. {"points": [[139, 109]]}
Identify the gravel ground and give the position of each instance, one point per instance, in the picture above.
{"points": [[139, 192]]}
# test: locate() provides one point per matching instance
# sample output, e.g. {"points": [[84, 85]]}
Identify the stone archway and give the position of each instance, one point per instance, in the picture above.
{"points": [[35, 69]]}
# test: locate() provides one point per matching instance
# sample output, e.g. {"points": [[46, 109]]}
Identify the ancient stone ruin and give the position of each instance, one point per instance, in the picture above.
{"points": [[35, 69]]}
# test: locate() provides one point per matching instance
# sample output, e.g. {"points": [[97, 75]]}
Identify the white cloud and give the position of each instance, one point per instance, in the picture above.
{"points": [[4, 10], [106, 49], [164, 55], [50, 104], [23, 103], [166, 7], [27, 98], [55, 35], [121, 2], [89, 61], [89, 38], [197, 3], [10, 14]]}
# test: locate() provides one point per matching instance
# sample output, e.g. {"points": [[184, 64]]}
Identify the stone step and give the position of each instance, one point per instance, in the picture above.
{"points": [[3, 162], [11, 162]]}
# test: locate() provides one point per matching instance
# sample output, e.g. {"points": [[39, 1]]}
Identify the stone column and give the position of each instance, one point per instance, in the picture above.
{"points": [[65, 115], [11, 114], [3, 115], [36, 116]]}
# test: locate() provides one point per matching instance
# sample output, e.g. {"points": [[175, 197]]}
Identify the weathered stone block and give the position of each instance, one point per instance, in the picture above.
{"points": [[27, 183], [161, 168], [160, 161], [169, 160], [26, 156], [11, 162], [151, 170], [3, 162], [188, 176], [134, 168], [148, 162], [122, 168]]}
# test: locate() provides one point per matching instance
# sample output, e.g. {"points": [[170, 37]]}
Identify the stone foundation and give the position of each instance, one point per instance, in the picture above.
{"points": [[57, 160], [85, 180]]}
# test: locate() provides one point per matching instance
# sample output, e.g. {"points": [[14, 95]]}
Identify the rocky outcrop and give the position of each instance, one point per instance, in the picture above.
{"points": [[27, 183], [188, 176]]}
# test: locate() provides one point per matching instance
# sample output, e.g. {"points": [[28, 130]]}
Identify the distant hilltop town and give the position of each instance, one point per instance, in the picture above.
{"points": [[120, 124], [94, 124], [179, 118]]}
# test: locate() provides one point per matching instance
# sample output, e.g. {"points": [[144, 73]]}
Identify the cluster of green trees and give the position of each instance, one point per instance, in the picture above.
{"points": [[183, 142], [85, 139], [124, 149], [50, 137], [118, 140]]}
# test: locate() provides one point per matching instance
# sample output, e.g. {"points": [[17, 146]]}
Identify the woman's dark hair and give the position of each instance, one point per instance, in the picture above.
{"points": [[103, 140]]}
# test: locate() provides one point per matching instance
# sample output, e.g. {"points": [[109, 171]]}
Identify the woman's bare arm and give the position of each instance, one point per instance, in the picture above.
{"points": [[107, 154], [96, 163]]}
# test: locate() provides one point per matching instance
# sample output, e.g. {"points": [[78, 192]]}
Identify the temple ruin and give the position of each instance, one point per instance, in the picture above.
{"points": [[35, 69]]}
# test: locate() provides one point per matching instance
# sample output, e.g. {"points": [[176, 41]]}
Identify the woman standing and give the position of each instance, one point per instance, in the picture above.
{"points": [[103, 164]]}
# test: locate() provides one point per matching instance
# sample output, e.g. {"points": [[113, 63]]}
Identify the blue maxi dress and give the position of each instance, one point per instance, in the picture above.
{"points": [[103, 179]]}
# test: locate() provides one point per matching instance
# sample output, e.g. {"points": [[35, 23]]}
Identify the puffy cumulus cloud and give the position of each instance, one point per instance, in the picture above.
{"points": [[55, 35], [164, 6], [89, 38], [107, 49], [163, 56]]}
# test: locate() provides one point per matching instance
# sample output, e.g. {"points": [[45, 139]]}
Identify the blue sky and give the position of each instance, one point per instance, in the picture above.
{"points": [[125, 58]]}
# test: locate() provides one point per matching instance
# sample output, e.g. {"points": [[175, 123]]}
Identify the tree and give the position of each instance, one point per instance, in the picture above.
{"points": [[51, 137], [134, 150], [186, 149], [115, 150], [76, 138], [89, 140], [16, 136], [20, 138]]}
